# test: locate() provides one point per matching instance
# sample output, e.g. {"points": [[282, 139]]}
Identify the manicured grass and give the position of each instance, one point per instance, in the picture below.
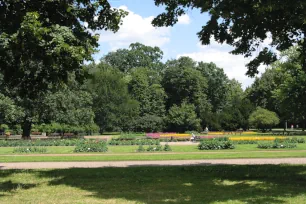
{"points": [[175, 148], [151, 157], [197, 184], [128, 153]]}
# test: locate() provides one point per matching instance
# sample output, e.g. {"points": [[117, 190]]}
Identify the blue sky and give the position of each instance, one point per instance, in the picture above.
{"points": [[180, 40]]}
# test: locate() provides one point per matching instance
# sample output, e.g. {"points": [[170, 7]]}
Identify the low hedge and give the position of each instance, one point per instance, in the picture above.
{"points": [[276, 145], [214, 144], [156, 148], [28, 143], [134, 142], [30, 150]]}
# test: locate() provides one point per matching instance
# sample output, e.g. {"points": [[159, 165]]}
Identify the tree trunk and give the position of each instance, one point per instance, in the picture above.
{"points": [[26, 130]]}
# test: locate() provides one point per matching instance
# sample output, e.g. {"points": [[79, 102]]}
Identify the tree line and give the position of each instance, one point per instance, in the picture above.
{"points": [[133, 90], [44, 44]]}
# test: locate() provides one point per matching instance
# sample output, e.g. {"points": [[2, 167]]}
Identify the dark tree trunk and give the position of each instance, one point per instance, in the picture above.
{"points": [[26, 130]]}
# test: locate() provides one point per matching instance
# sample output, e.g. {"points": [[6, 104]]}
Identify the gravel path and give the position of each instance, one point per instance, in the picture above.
{"points": [[65, 165]]}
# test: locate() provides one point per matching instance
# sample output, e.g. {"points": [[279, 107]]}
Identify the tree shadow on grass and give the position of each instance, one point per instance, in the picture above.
{"points": [[192, 184], [10, 186]]}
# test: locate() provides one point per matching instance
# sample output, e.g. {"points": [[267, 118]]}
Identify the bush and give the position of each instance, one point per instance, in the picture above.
{"points": [[30, 150], [214, 144], [91, 146], [167, 148], [276, 145], [141, 149]]}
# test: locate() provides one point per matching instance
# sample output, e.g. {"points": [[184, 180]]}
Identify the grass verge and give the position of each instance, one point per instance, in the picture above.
{"points": [[196, 184]]}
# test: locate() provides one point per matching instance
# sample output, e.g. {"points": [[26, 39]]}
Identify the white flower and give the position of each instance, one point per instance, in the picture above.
{"points": [[27, 149], [281, 145], [88, 148]]}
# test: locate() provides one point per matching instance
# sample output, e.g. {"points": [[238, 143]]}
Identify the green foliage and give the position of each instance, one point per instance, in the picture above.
{"points": [[276, 145], [91, 146], [214, 144], [112, 105], [263, 119], [42, 43], [149, 123], [167, 148], [134, 142], [138, 55], [25, 143], [141, 148], [290, 94], [30, 150], [245, 25], [183, 118]]}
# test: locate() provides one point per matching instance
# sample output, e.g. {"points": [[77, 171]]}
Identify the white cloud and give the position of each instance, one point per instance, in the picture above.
{"points": [[234, 65], [184, 19], [136, 28]]}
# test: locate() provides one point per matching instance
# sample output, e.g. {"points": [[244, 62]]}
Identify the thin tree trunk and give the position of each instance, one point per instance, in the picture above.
{"points": [[26, 130]]}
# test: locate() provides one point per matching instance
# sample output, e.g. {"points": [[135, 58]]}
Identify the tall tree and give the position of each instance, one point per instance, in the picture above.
{"points": [[291, 93], [113, 107], [41, 42], [183, 82], [218, 84], [261, 91], [245, 24], [138, 55]]}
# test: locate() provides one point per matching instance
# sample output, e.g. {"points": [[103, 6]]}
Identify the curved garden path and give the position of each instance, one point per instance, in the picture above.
{"points": [[65, 165]]}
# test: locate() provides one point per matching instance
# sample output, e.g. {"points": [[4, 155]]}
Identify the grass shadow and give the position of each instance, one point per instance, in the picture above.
{"points": [[194, 184], [10, 187]]}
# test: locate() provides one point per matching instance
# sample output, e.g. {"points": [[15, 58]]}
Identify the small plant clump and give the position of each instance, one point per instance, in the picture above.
{"points": [[167, 148], [91, 146], [30, 150], [213, 144], [276, 145], [118, 142], [157, 148]]}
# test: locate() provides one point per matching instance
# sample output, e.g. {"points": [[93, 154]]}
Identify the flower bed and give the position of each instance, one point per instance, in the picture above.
{"points": [[167, 135], [255, 138]]}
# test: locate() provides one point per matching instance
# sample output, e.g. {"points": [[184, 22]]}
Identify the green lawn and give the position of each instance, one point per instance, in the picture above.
{"points": [[128, 153], [197, 184]]}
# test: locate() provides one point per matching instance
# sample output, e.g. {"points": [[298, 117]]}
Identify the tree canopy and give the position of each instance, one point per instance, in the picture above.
{"points": [[245, 24], [42, 42]]}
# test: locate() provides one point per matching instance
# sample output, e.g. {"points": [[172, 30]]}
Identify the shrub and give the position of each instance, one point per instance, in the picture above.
{"points": [[91, 146], [30, 150], [140, 149], [215, 144], [167, 148]]}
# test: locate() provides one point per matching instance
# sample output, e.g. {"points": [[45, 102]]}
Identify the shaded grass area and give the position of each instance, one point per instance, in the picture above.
{"points": [[194, 184]]}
